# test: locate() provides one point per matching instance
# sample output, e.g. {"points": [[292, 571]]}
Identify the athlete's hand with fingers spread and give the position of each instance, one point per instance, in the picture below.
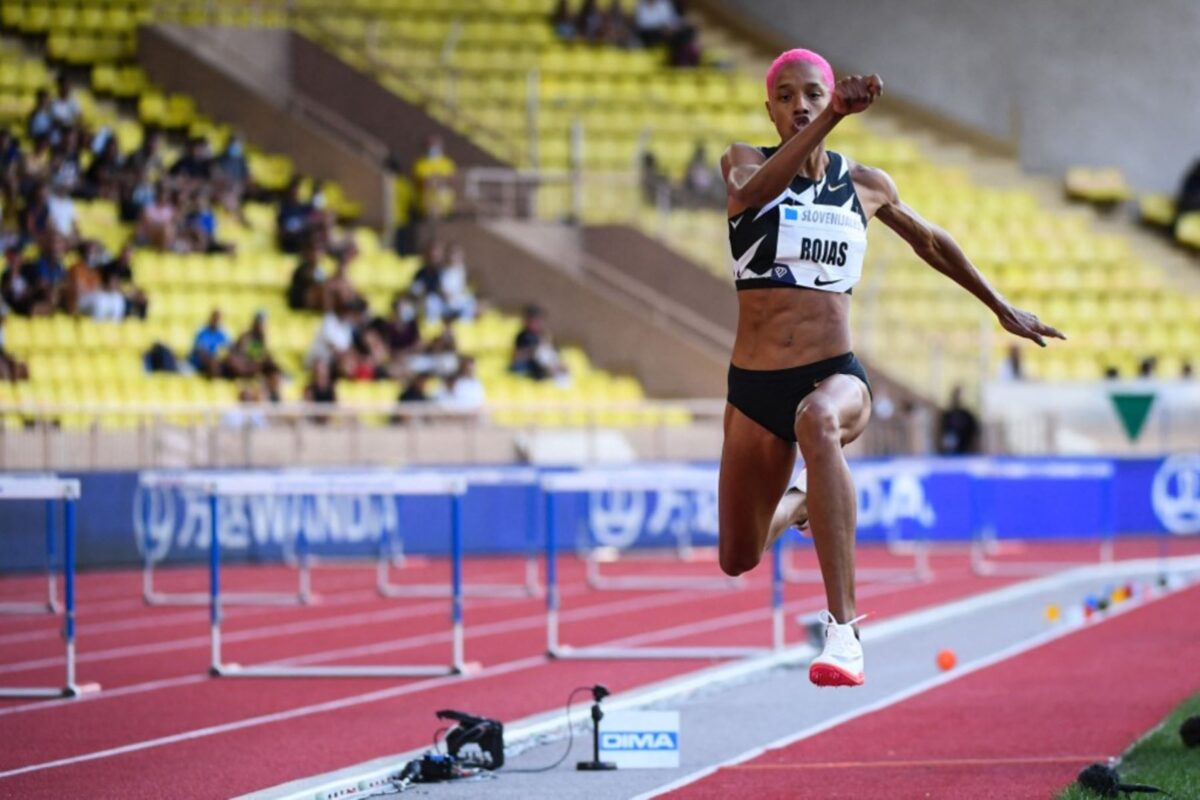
{"points": [[1027, 325], [856, 93]]}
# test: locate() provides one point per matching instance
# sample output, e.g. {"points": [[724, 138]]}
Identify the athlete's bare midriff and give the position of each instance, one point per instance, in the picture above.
{"points": [[789, 327]]}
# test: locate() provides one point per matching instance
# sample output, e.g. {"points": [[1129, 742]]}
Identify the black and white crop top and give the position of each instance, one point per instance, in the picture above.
{"points": [[813, 236]]}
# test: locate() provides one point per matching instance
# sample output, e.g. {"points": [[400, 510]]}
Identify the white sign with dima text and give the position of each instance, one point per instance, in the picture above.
{"points": [[640, 739]]}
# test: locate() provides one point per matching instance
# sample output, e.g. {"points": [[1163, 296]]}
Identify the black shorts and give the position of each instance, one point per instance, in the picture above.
{"points": [[770, 397]]}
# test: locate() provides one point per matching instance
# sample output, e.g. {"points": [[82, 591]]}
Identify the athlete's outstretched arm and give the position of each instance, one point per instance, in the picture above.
{"points": [[937, 248], [753, 181]]}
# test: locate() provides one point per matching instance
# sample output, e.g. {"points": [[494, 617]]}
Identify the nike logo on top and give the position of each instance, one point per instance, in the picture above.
{"points": [[835, 188], [733, 223], [819, 282]]}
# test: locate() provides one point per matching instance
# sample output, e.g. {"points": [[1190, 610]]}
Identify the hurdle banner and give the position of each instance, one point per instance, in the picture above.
{"points": [[892, 505], [618, 520], [159, 487], [53, 489], [601, 480], [51, 604], [245, 484]]}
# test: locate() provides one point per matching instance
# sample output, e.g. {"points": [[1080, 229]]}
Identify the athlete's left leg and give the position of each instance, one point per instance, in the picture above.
{"points": [[829, 418]]}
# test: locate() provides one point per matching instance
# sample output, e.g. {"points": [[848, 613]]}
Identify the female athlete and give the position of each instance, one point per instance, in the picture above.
{"points": [[797, 231]]}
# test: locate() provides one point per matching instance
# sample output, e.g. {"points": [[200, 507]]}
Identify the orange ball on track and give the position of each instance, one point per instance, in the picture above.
{"points": [[946, 659]]}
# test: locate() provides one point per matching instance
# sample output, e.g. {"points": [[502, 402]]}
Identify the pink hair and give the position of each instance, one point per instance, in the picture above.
{"points": [[799, 55]]}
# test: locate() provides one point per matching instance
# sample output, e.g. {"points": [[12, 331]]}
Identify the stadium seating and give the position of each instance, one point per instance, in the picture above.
{"points": [[1116, 306], [72, 359]]}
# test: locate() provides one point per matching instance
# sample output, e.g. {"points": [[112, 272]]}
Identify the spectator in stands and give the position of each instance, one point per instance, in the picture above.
{"points": [[64, 109], [371, 358], [11, 368], [250, 357], [304, 291], [399, 331], [158, 221], [83, 279], [103, 177], [338, 288], [231, 177], [1189, 192], [654, 182], [35, 221], [700, 182], [617, 29], [1010, 367], [106, 302], [195, 165], [564, 22], [589, 22], [428, 278], [1185, 371], [958, 428], [321, 388], [404, 208], [659, 22], [136, 193], [334, 340], [120, 269], [1147, 367], [534, 354], [65, 166], [417, 389], [433, 176], [293, 219], [46, 277], [10, 167], [35, 166], [61, 217], [209, 346], [457, 301], [438, 356], [15, 292], [146, 163], [40, 123], [465, 390], [200, 226]]}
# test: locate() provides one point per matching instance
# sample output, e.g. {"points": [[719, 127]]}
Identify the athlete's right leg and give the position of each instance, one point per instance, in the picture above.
{"points": [[755, 468]]}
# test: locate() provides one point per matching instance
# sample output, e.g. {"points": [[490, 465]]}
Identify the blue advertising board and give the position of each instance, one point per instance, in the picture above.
{"points": [[938, 499]]}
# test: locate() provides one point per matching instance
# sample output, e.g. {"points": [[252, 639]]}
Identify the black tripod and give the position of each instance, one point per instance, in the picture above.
{"points": [[599, 692]]}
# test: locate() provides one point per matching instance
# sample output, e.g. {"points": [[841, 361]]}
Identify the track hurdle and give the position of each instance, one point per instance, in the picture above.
{"points": [[556, 484], [987, 475], [51, 605], [391, 548], [869, 478], [162, 486], [52, 489], [683, 552], [383, 485]]}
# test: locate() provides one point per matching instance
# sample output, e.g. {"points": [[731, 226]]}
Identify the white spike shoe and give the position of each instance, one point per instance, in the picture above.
{"points": [[841, 661]]}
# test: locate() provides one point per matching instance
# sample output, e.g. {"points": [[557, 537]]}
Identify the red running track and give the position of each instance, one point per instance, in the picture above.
{"points": [[1022, 728], [160, 727]]}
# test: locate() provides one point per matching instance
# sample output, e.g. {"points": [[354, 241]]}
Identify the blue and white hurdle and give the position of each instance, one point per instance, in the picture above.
{"points": [[392, 554], [242, 484], [52, 489], [51, 604], [678, 479], [157, 484]]}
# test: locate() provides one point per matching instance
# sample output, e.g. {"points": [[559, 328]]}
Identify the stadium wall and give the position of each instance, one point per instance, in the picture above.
{"points": [[906, 498], [1073, 82]]}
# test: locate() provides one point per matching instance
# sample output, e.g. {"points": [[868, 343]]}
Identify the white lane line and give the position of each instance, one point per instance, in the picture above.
{"points": [[898, 697], [332, 594], [532, 621], [629, 604], [547, 722], [280, 716]]}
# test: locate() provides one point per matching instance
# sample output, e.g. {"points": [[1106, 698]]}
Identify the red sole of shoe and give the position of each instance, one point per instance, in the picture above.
{"points": [[828, 675]]}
